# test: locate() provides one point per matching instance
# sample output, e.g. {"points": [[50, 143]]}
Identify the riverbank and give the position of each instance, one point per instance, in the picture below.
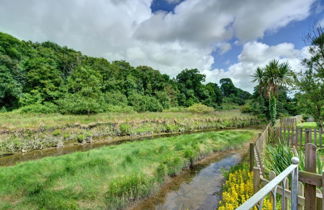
{"points": [[23, 133], [109, 177]]}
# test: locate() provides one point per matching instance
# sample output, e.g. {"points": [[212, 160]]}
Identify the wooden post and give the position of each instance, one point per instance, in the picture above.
{"points": [[323, 190], [256, 179], [272, 175], [288, 136], [320, 137], [307, 135], [301, 137], [310, 166], [300, 193], [315, 137], [251, 156]]}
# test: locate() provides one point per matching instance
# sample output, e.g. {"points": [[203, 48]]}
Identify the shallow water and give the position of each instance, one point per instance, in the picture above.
{"points": [[201, 190]]}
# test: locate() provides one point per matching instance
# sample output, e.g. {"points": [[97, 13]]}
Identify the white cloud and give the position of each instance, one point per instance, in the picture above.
{"points": [[169, 42], [257, 54], [173, 1]]}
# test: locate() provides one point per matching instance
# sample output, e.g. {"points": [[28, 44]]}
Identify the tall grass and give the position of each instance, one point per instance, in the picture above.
{"points": [[35, 132], [278, 158], [111, 177]]}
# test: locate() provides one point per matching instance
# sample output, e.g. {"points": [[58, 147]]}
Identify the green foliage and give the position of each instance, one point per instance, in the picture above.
{"points": [[200, 108], [278, 157], [120, 109], [37, 73], [233, 94], [126, 189], [144, 103], [311, 82], [273, 109], [39, 108], [270, 95], [98, 176], [125, 129]]}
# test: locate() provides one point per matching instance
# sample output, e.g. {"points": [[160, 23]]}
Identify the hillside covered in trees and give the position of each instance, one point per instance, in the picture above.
{"points": [[47, 78]]}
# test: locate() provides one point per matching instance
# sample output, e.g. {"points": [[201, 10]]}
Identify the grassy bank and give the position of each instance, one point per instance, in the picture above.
{"points": [[110, 177], [307, 125], [26, 132]]}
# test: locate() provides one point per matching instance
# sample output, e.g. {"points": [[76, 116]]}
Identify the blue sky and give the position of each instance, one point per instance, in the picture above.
{"points": [[295, 32]]}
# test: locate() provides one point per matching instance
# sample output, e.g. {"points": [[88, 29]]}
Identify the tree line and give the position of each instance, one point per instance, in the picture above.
{"points": [[47, 78]]}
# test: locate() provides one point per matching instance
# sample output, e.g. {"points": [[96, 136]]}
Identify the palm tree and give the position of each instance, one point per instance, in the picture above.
{"points": [[270, 79]]}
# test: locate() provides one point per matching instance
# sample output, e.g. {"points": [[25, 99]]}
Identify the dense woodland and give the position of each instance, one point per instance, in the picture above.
{"points": [[48, 78], [45, 77]]}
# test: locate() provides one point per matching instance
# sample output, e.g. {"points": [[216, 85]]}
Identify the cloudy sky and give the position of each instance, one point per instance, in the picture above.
{"points": [[222, 38]]}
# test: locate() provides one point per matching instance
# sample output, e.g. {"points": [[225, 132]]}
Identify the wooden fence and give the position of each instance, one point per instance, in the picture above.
{"points": [[311, 185], [300, 136]]}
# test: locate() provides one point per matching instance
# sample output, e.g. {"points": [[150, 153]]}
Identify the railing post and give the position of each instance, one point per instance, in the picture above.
{"points": [[251, 156], [256, 179], [310, 166], [307, 136], [294, 185]]}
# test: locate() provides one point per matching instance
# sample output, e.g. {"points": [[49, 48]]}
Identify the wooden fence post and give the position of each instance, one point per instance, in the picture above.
{"points": [[256, 179], [251, 156], [322, 190], [310, 166], [307, 136]]}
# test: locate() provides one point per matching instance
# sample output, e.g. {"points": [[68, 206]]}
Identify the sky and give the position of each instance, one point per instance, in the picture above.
{"points": [[221, 38]]}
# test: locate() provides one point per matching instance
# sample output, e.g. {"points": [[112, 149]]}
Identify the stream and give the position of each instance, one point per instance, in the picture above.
{"points": [[198, 189]]}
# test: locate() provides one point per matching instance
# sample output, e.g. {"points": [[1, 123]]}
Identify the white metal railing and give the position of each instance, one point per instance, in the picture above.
{"points": [[271, 187]]}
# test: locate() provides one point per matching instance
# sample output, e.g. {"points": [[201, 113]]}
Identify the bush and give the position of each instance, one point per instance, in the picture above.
{"points": [[176, 109], [45, 108], [77, 104], [120, 109], [247, 108], [115, 98], [142, 103], [200, 108]]}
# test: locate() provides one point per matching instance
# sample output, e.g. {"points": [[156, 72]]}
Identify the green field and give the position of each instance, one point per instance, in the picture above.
{"points": [[109, 177], [307, 125], [26, 132]]}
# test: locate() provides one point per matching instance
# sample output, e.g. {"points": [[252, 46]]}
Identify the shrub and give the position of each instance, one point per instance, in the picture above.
{"points": [[176, 109], [39, 108], [120, 109], [200, 108], [78, 104], [142, 103], [125, 129], [115, 99]]}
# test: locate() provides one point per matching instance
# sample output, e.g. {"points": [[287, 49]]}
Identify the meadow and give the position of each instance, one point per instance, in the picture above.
{"points": [[110, 177], [27, 132]]}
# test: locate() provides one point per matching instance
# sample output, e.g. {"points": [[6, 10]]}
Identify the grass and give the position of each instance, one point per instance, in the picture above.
{"points": [[11, 120], [307, 125], [26, 132], [110, 177], [278, 158]]}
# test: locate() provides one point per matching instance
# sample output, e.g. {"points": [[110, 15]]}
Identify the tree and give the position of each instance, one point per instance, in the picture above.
{"points": [[311, 82], [228, 87], [83, 92], [270, 79]]}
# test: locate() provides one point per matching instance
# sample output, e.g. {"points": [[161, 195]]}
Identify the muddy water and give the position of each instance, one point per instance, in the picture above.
{"points": [[198, 190]]}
